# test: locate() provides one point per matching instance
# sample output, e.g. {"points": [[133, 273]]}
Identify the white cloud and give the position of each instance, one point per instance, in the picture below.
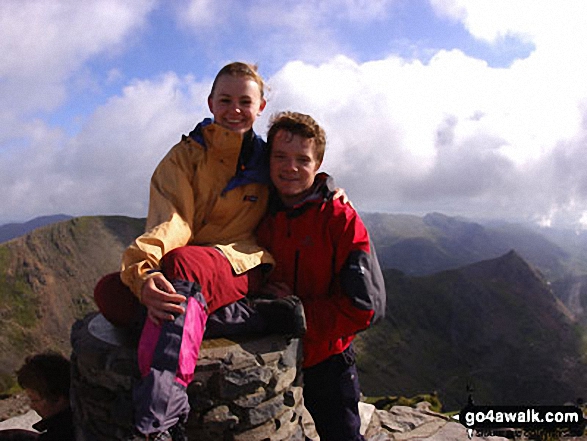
{"points": [[43, 43], [106, 167], [550, 24], [44, 47], [360, 11], [204, 17], [270, 32], [113, 76], [453, 134]]}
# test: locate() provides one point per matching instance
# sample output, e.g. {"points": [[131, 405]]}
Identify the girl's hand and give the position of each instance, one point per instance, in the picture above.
{"points": [[161, 299]]}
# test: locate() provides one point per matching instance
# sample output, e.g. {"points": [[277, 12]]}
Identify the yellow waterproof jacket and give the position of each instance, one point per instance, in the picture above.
{"points": [[202, 194]]}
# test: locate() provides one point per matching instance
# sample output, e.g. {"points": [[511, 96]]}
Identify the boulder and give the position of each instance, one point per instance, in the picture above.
{"points": [[403, 423], [24, 421]]}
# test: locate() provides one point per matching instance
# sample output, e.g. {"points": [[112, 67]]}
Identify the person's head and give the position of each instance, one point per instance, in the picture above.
{"points": [[45, 377], [296, 150], [237, 97]]}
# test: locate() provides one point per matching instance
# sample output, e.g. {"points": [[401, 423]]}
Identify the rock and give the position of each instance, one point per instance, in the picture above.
{"points": [[407, 423], [25, 421], [243, 389], [366, 413], [14, 405]]}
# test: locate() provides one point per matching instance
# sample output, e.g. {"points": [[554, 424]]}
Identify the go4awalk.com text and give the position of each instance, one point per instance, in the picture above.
{"points": [[567, 420]]}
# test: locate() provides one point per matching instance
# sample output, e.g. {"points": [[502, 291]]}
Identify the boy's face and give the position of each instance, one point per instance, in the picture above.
{"points": [[38, 403], [236, 102], [293, 166]]}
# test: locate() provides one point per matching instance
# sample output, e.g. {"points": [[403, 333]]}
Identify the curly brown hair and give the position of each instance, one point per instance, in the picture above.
{"points": [[298, 124]]}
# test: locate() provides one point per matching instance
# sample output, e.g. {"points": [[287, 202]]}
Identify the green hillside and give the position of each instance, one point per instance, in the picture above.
{"points": [[47, 279], [425, 245], [493, 325]]}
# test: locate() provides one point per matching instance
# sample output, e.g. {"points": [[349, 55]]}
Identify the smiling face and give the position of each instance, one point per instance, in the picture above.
{"points": [[293, 166], [236, 102]]}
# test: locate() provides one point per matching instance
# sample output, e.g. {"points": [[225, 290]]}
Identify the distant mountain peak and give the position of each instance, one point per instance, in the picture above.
{"points": [[513, 270], [512, 257], [13, 230], [494, 319]]}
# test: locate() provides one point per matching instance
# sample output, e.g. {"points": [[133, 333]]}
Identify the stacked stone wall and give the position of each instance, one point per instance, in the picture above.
{"points": [[243, 390]]}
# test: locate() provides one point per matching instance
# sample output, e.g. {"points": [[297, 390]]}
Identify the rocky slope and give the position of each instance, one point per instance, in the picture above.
{"points": [[47, 279], [425, 245], [494, 326], [572, 291]]}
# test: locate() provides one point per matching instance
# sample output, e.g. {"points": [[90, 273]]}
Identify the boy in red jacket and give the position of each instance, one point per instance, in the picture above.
{"points": [[324, 256]]}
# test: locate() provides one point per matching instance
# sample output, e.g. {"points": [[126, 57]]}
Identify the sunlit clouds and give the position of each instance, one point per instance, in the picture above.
{"points": [[87, 110]]}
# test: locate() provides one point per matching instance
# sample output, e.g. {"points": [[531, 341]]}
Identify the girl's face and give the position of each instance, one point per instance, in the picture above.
{"points": [[236, 102]]}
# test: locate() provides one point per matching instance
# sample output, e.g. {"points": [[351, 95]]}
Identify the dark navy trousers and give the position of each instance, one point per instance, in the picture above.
{"points": [[331, 395]]}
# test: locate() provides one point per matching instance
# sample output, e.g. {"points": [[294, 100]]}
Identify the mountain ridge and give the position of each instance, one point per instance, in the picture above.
{"points": [[12, 230], [443, 330], [425, 245], [46, 282], [494, 325]]}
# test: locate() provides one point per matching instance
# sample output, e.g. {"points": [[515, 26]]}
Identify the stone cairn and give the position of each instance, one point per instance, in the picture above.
{"points": [[243, 390]]}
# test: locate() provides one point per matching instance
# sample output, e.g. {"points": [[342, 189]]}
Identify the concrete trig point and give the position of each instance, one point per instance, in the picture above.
{"points": [[244, 389]]}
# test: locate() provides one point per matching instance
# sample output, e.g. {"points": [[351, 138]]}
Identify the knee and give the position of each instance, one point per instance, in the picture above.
{"points": [[184, 263], [115, 301], [106, 286], [174, 260]]}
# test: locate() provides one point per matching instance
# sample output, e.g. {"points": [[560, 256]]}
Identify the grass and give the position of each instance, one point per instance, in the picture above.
{"points": [[15, 294], [387, 402], [8, 384]]}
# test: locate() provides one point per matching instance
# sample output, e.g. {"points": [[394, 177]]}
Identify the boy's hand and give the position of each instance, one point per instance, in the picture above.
{"points": [[161, 299]]}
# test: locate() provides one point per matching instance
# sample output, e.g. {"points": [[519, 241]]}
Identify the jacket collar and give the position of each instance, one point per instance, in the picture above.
{"points": [[198, 135], [322, 190], [253, 161], [59, 420]]}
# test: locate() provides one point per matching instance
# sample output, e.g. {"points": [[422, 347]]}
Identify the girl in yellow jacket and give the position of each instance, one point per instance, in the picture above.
{"points": [[198, 253]]}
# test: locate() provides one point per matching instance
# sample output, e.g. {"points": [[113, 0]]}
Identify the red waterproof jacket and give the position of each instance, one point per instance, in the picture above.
{"points": [[323, 253]]}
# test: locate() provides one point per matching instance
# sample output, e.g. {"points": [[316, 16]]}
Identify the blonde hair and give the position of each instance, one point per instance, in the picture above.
{"points": [[240, 69]]}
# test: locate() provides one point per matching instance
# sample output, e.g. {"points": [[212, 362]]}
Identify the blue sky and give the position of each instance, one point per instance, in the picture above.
{"points": [[475, 108]]}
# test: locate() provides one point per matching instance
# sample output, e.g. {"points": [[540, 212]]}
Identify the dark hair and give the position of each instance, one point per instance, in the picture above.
{"points": [[239, 68], [47, 373], [298, 124]]}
